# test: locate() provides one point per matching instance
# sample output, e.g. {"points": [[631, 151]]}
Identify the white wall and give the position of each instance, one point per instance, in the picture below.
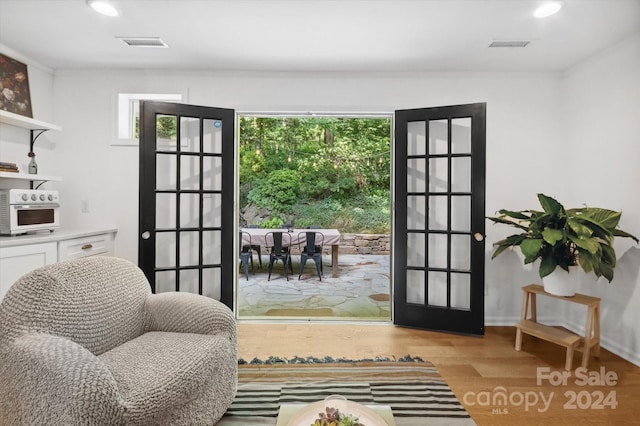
{"points": [[522, 111], [530, 117], [603, 121]]}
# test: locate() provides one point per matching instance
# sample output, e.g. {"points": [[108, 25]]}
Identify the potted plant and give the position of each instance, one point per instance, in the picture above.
{"points": [[565, 238]]}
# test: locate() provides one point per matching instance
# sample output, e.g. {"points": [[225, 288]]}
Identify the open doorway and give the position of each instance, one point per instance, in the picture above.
{"points": [[328, 174]]}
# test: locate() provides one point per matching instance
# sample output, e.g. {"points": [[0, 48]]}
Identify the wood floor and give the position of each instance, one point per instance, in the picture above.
{"points": [[479, 370]]}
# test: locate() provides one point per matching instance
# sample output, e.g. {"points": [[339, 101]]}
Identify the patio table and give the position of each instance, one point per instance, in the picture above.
{"points": [[331, 238]]}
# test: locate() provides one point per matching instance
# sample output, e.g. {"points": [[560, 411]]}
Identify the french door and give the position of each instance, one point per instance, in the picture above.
{"points": [[186, 216], [439, 218]]}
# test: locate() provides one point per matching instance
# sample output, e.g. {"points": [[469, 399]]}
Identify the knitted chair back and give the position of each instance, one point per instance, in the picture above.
{"points": [[98, 302]]}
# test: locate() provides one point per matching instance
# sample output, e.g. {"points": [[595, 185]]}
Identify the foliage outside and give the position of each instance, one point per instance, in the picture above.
{"points": [[324, 172], [564, 237]]}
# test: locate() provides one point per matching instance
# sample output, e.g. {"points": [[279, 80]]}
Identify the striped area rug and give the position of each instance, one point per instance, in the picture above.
{"points": [[412, 388]]}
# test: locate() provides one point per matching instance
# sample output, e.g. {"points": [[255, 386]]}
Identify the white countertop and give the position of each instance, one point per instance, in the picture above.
{"points": [[48, 237]]}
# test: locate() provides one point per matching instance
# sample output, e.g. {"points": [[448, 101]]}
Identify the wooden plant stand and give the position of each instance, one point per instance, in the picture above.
{"points": [[565, 338]]}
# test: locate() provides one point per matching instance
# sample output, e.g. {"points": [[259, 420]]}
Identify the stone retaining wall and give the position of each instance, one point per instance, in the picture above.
{"points": [[365, 244]]}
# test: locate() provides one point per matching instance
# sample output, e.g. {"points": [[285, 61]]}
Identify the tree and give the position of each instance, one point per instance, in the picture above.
{"points": [[341, 159]]}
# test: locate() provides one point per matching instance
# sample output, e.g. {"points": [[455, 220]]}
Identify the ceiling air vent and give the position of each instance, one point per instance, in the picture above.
{"points": [[509, 43], [143, 41]]}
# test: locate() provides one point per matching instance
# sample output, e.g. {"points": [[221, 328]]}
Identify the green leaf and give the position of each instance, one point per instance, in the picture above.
{"points": [[581, 230], [514, 214], [501, 219], [609, 219], [550, 205], [586, 261], [598, 230], [512, 240], [621, 233], [589, 244], [608, 255], [530, 248], [547, 266], [552, 236], [606, 271], [499, 250]]}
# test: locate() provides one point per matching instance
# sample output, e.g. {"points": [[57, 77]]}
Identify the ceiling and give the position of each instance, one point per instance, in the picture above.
{"points": [[316, 35]]}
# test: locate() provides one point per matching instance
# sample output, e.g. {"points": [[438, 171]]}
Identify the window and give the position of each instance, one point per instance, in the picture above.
{"points": [[128, 113]]}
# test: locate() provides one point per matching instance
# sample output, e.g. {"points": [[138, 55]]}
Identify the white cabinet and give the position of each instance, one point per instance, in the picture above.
{"points": [[17, 261], [85, 246], [23, 253]]}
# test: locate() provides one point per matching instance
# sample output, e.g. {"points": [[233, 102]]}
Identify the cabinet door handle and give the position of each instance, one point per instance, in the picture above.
{"points": [[87, 246]]}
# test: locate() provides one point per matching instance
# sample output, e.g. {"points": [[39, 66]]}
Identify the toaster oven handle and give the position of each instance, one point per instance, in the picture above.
{"points": [[35, 206]]}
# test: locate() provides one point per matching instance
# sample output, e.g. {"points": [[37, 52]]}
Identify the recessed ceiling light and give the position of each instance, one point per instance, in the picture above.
{"points": [[103, 7], [547, 9]]}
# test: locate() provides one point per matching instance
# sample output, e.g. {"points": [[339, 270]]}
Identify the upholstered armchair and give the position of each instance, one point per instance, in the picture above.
{"points": [[84, 342]]}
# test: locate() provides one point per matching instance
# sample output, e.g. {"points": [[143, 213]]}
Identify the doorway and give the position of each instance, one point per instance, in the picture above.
{"points": [[316, 172], [438, 209]]}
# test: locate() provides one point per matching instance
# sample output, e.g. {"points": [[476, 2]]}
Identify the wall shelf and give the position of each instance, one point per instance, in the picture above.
{"points": [[30, 177], [36, 128], [18, 120]]}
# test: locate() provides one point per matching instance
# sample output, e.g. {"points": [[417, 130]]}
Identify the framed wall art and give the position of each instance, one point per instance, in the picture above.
{"points": [[15, 96]]}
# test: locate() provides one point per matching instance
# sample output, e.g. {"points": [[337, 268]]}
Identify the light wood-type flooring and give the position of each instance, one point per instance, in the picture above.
{"points": [[480, 370]]}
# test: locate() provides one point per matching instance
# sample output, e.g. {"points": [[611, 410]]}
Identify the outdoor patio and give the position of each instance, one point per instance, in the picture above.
{"points": [[360, 292]]}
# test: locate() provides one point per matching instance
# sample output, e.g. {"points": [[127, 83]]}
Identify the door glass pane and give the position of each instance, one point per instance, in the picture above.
{"points": [[415, 250], [417, 138], [211, 247], [438, 137], [189, 249], [461, 291], [189, 172], [212, 173], [461, 174], [437, 250], [461, 213], [212, 210], [166, 132], [438, 174], [166, 172], [189, 210], [461, 135], [165, 281], [438, 212], [212, 138], [416, 212], [165, 211], [437, 288], [165, 249], [189, 280], [211, 283], [189, 134], [460, 252], [416, 175], [415, 287]]}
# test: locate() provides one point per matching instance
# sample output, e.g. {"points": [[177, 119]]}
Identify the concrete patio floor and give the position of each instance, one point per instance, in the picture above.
{"points": [[360, 292]]}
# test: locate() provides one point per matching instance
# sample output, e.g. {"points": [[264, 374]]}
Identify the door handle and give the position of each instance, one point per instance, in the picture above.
{"points": [[478, 236]]}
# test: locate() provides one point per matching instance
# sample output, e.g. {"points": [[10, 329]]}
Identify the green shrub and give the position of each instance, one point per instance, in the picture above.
{"points": [[278, 192]]}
